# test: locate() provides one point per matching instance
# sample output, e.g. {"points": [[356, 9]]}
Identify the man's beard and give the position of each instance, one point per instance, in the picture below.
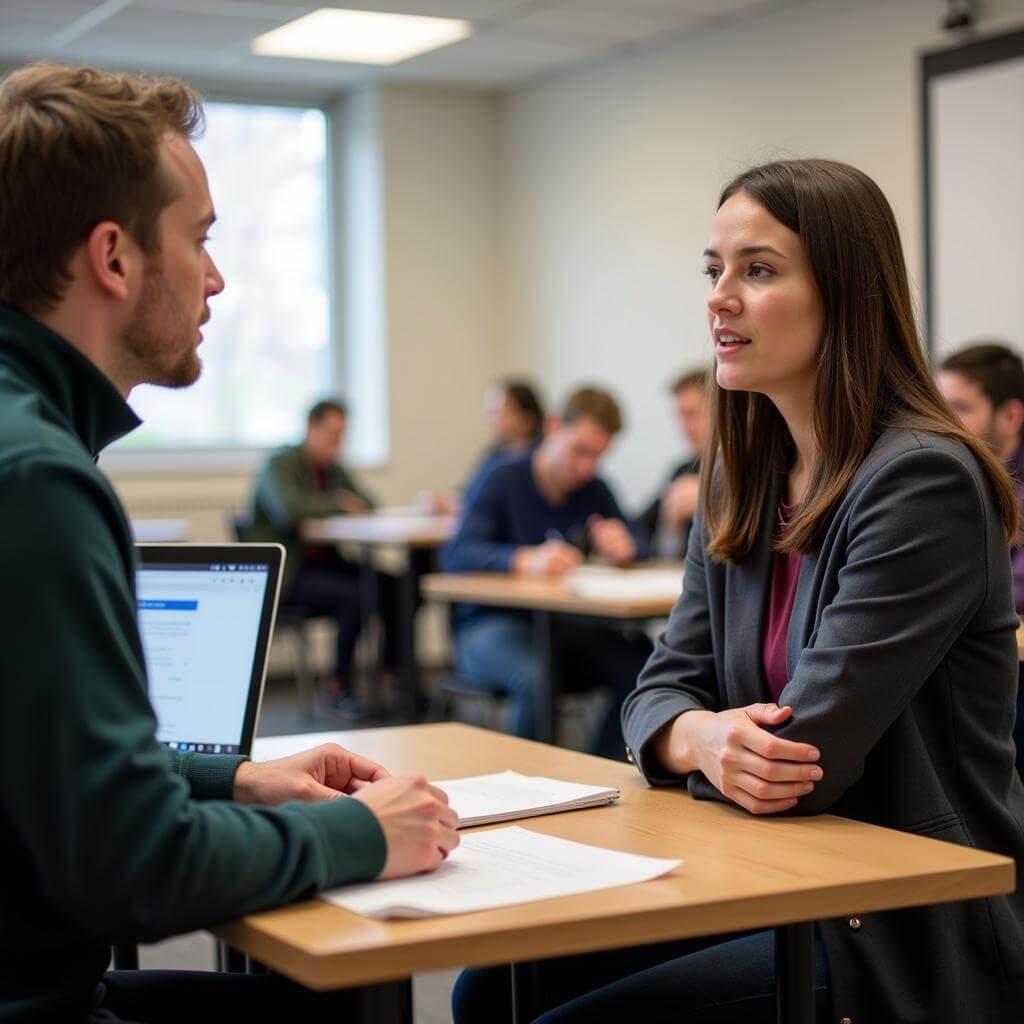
{"points": [[161, 336]]}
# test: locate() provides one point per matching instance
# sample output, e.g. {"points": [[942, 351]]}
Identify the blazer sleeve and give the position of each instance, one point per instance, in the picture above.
{"points": [[915, 573], [680, 674]]}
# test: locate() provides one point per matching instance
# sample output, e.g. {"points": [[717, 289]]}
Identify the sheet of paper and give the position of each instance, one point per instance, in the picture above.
{"points": [[498, 869], [626, 584], [507, 795]]}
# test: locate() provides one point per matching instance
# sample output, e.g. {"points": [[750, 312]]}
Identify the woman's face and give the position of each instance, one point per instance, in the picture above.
{"points": [[765, 313]]}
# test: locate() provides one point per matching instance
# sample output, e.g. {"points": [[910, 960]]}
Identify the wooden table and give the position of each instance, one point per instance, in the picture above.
{"points": [[544, 598], [739, 872], [1020, 643], [409, 531]]}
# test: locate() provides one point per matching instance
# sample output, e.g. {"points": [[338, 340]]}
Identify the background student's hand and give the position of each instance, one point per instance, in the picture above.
{"points": [[419, 826], [745, 762], [552, 558], [611, 538], [322, 773], [352, 503], [680, 500]]}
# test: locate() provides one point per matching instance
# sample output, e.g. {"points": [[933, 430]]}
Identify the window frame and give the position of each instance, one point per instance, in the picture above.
{"points": [[248, 458]]}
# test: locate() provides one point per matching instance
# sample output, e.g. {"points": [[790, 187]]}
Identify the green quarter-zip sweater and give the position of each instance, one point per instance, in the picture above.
{"points": [[107, 836]]}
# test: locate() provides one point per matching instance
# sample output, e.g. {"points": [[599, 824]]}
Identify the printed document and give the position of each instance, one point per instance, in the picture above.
{"points": [[611, 584], [505, 796], [498, 869]]}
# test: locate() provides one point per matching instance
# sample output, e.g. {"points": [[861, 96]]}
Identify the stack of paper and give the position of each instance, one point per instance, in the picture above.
{"points": [[626, 584], [498, 869], [505, 796]]}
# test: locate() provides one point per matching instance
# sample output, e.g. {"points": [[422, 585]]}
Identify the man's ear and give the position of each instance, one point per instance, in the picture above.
{"points": [[1011, 415], [112, 259]]}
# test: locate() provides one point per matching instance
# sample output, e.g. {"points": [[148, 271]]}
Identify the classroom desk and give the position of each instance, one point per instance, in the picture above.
{"points": [[739, 872], [160, 531], [408, 531], [1020, 642], [544, 598]]}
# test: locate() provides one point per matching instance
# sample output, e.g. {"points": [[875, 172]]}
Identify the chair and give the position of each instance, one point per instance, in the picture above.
{"points": [[293, 621]]}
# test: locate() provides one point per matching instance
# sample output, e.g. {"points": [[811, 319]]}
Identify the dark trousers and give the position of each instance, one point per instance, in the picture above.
{"points": [[328, 590], [496, 651], [719, 980], [206, 997], [331, 585]]}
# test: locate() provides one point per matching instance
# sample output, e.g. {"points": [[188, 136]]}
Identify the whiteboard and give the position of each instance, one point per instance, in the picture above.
{"points": [[975, 174]]}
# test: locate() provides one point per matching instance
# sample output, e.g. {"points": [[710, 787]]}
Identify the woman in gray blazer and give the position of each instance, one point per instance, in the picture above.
{"points": [[845, 638]]}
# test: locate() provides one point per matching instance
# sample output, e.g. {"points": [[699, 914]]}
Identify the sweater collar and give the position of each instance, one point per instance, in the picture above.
{"points": [[76, 390]]}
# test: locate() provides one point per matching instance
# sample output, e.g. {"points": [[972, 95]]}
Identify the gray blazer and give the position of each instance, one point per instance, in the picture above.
{"points": [[903, 672]]}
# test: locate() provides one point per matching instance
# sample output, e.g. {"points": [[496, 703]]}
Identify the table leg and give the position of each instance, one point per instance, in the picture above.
{"points": [[388, 1003], [408, 682], [525, 992], [546, 698], [794, 973], [369, 599]]}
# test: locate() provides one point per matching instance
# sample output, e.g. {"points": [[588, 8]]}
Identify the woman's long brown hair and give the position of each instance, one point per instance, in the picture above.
{"points": [[871, 372]]}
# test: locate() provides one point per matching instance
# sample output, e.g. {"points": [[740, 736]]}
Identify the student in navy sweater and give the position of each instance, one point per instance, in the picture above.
{"points": [[536, 516]]}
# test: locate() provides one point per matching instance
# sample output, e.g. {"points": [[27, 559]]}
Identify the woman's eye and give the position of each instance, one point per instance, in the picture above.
{"points": [[712, 272], [757, 270]]}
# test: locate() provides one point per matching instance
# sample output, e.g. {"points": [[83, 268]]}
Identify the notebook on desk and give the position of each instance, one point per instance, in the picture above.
{"points": [[206, 615]]}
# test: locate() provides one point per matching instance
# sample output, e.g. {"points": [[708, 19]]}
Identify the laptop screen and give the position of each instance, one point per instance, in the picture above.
{"points": [[205, 616]]}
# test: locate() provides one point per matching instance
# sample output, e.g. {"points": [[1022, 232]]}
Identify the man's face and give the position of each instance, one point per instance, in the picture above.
{"points": [[324, 439], [576, 449], [163, 334], [971, 404], [692, 414]]}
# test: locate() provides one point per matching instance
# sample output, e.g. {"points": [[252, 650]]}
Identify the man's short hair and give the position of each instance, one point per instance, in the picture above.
{"points": [[996, 369], [325, 406], [697, 378], [595, 404], [79, 146]]}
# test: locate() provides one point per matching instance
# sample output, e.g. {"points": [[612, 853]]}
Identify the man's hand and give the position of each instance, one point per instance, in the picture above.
{"points": [[418, 825], [552, 558], [612, 538], [322, 773], [745, 762], [352, 503], [680, 501]]}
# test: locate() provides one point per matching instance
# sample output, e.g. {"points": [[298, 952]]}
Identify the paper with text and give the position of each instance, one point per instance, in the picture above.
{"points": [[501, 868], [505, 796]]}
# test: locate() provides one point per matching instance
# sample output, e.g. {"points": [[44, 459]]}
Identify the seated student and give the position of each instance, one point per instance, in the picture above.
{"points": [[667, 519], [306, 481], [985, 386], [108, 836], [526, 518], [845, 637], [515, 421]]}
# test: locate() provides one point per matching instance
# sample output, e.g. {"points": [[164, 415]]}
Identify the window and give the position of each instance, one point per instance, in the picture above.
{"points": [[267, 353]]}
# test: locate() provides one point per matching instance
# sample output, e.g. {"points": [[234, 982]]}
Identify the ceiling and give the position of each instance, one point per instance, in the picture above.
{"points": [[513, 40]]}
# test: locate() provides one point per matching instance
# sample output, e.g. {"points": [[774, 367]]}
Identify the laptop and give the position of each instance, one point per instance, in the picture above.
{"points": [[206, 615]]}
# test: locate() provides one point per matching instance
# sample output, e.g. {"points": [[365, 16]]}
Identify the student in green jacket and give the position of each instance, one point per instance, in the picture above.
{"points": [[307, 481], [107, 836]]}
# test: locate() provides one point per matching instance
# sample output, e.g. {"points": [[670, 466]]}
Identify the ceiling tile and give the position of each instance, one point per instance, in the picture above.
{"points": [[574, 22], [164, 28]]}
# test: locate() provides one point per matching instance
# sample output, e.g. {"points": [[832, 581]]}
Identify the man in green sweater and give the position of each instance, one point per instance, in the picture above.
{"points": [[107, 836]]}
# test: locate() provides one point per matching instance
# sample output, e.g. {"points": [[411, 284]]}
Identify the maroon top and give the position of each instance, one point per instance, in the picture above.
{"points": [[785, 573]]}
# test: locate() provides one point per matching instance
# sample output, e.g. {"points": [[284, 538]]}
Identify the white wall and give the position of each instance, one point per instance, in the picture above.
{"points": [[612, 176]]}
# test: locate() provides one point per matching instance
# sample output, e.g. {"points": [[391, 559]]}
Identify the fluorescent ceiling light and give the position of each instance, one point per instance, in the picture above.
{"points": [[360, 37]]}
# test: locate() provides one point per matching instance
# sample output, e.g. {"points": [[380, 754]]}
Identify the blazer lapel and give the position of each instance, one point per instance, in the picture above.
{"points": [[746, 605]]}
